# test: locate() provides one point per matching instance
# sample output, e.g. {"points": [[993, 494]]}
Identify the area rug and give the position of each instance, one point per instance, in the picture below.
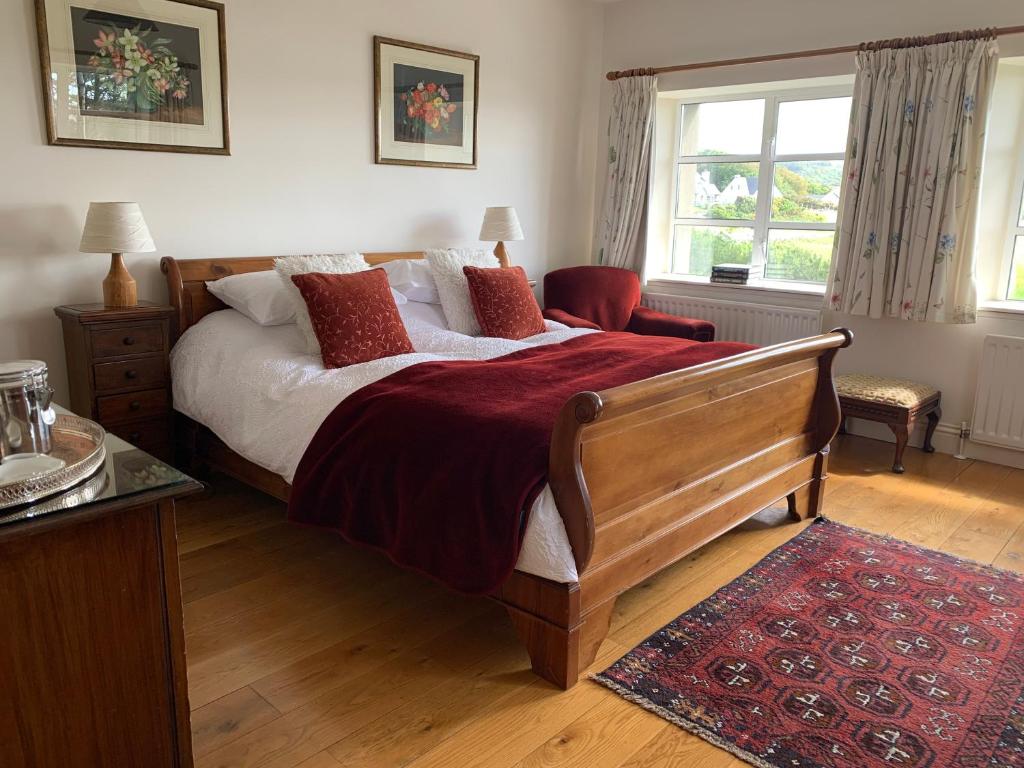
{"points": [[845, 648]]}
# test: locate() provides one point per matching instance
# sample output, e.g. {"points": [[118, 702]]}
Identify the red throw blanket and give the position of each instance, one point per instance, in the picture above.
{"points": [[436, 464]]}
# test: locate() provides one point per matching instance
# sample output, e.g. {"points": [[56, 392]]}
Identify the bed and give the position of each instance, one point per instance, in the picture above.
{"points": [[597, 530]]}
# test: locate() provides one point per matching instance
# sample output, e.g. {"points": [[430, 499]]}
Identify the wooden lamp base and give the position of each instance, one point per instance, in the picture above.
{"points": [[119, 286], [502, 254]]}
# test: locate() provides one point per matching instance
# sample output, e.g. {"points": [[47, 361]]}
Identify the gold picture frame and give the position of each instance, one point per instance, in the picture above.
{"points": [[115, 78], [425, 105]]}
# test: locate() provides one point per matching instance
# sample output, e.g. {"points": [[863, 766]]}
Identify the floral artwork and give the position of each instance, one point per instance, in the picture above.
{"points": [[428, 108], [137, 68], [425, 105]]}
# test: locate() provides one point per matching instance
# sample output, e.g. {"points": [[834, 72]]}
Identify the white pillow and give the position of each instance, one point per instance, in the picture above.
{"points": [[412, 278], [423, 312], [453, 288], [257, 295], [338, 264]]}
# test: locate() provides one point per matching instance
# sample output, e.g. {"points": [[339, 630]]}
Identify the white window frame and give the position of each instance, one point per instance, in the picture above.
{"points": [[1015, 230], [767, 159]]}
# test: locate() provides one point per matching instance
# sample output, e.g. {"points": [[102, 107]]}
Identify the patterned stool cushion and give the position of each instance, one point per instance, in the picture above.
{"points": [[878, 389]]}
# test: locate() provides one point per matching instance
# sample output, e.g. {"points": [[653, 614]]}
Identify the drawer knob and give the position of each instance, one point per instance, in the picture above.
{"points": [[129, 340], [134, 405], [133, 437], [131, 374]]}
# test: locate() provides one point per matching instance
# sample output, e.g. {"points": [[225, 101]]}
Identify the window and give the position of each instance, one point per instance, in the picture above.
{"points": [[1015, 288], [756, 181]]}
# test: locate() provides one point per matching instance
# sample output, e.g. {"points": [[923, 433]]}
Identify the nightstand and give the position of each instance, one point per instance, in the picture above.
{"points": [[118, 370]]}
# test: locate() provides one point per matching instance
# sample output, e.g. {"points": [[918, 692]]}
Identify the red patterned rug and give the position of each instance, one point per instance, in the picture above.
{"points": [[845, 648]]}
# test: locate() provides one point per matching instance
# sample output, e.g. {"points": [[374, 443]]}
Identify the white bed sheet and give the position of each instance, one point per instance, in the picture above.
{"points": [[260, 393]]}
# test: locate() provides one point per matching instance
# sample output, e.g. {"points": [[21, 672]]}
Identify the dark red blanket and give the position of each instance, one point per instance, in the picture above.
{"points": [[435, 464]]}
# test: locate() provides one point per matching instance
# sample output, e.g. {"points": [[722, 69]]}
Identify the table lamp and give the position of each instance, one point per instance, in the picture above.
{"points": [[501, 224], [116, 228]]}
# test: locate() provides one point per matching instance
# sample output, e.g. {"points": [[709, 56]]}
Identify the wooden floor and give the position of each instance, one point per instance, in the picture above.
{"points": [[304, 651]]}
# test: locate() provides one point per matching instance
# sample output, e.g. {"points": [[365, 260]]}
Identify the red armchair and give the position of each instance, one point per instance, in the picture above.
{"points": [[608, 299]]}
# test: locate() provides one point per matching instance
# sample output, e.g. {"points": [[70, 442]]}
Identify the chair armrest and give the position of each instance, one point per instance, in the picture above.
{"points": [[561, 316], [648, 322]]}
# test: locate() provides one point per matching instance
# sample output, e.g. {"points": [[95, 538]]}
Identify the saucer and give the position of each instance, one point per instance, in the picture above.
{"points": [[16, 468]]}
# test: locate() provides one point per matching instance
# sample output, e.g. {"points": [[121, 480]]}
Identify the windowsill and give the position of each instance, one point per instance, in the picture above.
{"points": [[775, 286], [777, 292], [1015, 308]]}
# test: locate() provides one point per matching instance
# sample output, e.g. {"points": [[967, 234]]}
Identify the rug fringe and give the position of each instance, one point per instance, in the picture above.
{"points": [[922, 550], [687, 725]]}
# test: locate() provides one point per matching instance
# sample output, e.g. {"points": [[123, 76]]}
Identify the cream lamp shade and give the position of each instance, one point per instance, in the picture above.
{"points": [[116, 228], [500, 224]]}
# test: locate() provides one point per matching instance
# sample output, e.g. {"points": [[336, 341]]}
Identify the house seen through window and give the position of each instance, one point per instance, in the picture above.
{"points": [[757, 182]]}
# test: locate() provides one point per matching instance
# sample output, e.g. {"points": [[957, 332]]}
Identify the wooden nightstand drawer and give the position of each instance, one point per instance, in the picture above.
{"points": [[144, 373], [118, 370], [150, 435], [133, 405], [128, 340]]}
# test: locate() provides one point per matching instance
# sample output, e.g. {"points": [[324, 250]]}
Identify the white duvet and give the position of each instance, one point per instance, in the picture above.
{"points": [[259, 392]]}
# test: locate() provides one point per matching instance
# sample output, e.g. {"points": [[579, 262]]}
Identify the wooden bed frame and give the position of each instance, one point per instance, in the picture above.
{"points": [[643, 474]]}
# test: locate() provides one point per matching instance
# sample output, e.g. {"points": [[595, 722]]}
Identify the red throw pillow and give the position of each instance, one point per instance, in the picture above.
{"points": [[354, 316], [503, 302]]}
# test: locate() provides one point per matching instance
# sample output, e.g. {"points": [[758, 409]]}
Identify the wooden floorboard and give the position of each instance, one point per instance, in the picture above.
{"points": [[305, 652]]}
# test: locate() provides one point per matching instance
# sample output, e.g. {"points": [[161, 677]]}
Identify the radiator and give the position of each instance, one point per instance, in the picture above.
{"points": [[759, 324], [999, 403]]}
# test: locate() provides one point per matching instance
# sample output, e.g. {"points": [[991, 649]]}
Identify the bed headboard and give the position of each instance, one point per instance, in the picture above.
{"points": [[186, 280]]}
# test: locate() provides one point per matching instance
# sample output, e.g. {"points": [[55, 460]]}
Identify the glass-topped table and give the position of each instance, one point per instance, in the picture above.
{"points": [[125, 472]]}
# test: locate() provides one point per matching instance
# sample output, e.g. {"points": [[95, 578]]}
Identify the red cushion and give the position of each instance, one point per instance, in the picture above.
{"points": [[603, 295], [503, 302], [354, 316]]}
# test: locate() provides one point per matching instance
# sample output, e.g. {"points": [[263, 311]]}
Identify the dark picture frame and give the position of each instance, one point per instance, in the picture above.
{"points": [[177, 101], [422, 108]]}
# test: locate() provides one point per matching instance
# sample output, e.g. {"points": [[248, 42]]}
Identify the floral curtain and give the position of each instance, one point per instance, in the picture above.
{"points": [[630, 144], [905, 245]]}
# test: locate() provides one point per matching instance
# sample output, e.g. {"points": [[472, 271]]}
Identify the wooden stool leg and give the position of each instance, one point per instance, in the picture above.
{"points": [[902, 432], [933, 422]]}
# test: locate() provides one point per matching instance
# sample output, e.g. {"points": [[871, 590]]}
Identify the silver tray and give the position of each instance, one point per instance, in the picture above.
{"points": [[79, 443]]}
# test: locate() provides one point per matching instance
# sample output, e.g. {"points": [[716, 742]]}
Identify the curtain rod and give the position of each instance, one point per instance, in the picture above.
{"points": [[900, 42]]}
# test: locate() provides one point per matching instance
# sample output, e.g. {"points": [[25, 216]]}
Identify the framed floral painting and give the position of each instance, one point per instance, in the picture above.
{"points": [[135, 74], [425, 104]]}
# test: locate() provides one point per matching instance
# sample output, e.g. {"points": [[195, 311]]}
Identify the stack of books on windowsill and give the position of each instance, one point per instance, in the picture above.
{"points": [[737, 274]]}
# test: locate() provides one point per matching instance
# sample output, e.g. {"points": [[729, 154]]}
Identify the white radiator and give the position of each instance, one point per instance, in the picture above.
{"points": [[999, 403], [760, 324]]}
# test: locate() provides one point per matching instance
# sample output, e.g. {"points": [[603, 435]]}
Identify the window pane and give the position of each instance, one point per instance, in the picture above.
{"points": [[717, 190], [807, 190], [722, 128], [696, 249], [812, 126], [1016, 292], [799, 254]]}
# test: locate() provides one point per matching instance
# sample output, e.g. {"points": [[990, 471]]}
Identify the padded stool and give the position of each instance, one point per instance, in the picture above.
{"points": [[895, 402]]}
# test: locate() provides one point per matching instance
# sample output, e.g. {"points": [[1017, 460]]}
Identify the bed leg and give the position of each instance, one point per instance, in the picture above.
{"points": [[554, 650], [559, 654], [806, 503]]}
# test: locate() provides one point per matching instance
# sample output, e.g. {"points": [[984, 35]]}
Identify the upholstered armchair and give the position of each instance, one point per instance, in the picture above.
{"points": [[608, 299]]}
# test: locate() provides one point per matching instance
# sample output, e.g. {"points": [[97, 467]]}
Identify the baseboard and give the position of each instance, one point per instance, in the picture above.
{"points": [[945, 440]]}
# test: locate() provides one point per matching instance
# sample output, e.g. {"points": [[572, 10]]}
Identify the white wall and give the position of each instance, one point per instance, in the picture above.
{"points": [[643, 33], [301, 176]]}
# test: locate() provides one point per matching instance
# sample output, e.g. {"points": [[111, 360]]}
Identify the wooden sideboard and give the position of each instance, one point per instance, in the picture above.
{"points": [[92, 656]]}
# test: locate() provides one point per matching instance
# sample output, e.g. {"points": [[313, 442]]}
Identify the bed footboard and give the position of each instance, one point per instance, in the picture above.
{"points": [[645, 473]]}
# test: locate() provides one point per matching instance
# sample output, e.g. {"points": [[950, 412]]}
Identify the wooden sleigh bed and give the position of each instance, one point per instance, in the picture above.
{"points": [[642, 474]]}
